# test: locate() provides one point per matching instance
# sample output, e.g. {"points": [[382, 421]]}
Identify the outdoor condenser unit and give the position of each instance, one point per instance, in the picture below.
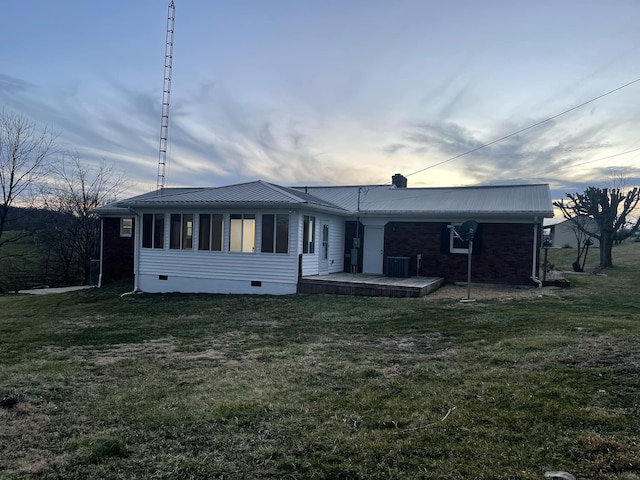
{"points": [[398, 267]]}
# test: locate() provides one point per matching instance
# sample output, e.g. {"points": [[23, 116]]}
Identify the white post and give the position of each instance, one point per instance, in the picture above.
{"points": [[469, 264]]}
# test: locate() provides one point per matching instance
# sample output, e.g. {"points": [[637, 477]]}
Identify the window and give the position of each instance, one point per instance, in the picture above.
{"points": [[211, 232], [455, 244], [275, 233], [308, 234], [153, 230], [242, 232], [325, 242], [126, 227], [181, 231]]}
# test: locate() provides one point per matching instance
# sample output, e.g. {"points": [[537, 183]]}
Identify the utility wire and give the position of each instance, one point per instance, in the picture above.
{"points": [[526, 128], [575, 165]]}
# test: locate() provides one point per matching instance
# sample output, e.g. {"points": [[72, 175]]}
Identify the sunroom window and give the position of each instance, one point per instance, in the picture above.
{"points": [[211, 232], [181, 231], [242, 232], [275, 233], [153, 230]]}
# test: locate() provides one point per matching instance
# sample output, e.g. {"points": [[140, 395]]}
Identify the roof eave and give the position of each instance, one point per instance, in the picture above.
{"points": [[457, 213], [232, 205]]}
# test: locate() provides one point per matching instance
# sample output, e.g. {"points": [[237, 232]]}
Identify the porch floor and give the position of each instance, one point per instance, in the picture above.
{"points": [[369, 285]]}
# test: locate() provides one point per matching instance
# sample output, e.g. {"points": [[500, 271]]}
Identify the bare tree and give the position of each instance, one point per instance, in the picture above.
{"points": [[73, 233], [609, 208], [583, 230], [25, 160]]}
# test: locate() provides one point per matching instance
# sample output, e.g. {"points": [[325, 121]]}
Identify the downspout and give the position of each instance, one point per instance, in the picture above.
{"points": [[534, 273], [101, 251]]}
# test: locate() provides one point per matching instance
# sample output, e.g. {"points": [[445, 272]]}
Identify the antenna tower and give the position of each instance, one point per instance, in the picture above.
{"points": [[166, 96]]}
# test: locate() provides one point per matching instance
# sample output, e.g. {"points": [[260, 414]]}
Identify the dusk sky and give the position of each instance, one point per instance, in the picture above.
{"points": [[335, 92]]}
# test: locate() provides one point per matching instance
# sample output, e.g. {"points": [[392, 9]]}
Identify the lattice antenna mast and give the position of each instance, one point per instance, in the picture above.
{"points": [[166, 96]]}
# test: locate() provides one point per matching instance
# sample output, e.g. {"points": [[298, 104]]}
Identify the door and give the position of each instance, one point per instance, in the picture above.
{"points": [[373, 250], [324, 250]]}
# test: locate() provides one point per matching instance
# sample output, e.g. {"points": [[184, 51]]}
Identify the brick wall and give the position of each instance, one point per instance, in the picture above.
{"points": [[504, 254], [117, 254]]}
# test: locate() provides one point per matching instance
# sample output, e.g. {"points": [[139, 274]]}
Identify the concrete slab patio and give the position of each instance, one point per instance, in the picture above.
{"points": [[47, 291], [369, 285]]}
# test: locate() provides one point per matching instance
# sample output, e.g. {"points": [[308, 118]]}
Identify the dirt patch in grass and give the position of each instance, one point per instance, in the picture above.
{"points": [[164, 349], [602, 351], [23, 427], [121, 352], [493, 292]]}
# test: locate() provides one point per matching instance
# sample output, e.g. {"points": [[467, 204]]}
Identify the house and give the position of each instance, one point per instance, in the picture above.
{"points": [[564, 233], [259, 237]]}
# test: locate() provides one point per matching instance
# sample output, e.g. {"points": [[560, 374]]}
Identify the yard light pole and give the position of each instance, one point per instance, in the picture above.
{"points": [[470, 236], [466, 233]]}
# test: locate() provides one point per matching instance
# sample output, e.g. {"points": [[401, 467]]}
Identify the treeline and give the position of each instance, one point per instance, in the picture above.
{"points": [[48, 234], [48, 248]]}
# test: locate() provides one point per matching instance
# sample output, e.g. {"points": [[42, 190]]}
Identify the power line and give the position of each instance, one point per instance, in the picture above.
{"points": [[526, 128], [577, 164]]}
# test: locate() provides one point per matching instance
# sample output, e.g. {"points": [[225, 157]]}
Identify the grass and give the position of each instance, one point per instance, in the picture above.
{"points": [[204, 386], [19, 262]]}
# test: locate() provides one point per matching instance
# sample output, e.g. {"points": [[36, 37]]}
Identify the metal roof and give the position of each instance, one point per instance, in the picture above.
{"points": [[505, 200], [382, 199], [244, 194]]}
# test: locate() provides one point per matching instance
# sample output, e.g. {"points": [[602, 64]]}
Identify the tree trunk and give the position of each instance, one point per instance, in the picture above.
{"points": [[606, 244]]}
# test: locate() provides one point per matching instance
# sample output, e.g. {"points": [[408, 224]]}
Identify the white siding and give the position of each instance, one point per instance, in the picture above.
{"points": [[563, 234], [173, 270], [336, 244], [221, 265], [311, 262]]}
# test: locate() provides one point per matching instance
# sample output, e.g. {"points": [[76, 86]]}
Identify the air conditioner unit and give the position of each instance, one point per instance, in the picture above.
{"points": [[398, 267]]}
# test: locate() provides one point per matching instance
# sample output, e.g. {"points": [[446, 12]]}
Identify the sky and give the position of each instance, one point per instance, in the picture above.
{"points": [[330, 92]]}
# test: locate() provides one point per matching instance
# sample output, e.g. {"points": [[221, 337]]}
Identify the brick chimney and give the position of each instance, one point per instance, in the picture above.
{"points": [[399, 181]]}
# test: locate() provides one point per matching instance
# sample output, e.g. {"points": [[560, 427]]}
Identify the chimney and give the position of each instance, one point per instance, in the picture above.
{"points": [[399, 181]]}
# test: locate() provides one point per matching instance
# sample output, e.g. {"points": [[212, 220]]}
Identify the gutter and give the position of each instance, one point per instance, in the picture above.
{"points": [[534, 273]]}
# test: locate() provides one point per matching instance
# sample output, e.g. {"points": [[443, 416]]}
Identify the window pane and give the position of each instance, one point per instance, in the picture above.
{"points": [[456, 245], [147, 230], [187, 231], [235, 233], [174, 231], [158, 231], [309, 234], [267, 233], [248, 234], [282, 233], [325, 242], [126, 227], [305, 234], [205, 231], [217, 232]]}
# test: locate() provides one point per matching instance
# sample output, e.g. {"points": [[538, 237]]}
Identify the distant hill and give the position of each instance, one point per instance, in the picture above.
{"points": [[29, 219]]}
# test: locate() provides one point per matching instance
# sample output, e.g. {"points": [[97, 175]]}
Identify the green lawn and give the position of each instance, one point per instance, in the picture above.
{"points": [[202, 386]]}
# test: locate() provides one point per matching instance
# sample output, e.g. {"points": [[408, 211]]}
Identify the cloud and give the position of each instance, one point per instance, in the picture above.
{"points": [[538, 154], [11, 85]]}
